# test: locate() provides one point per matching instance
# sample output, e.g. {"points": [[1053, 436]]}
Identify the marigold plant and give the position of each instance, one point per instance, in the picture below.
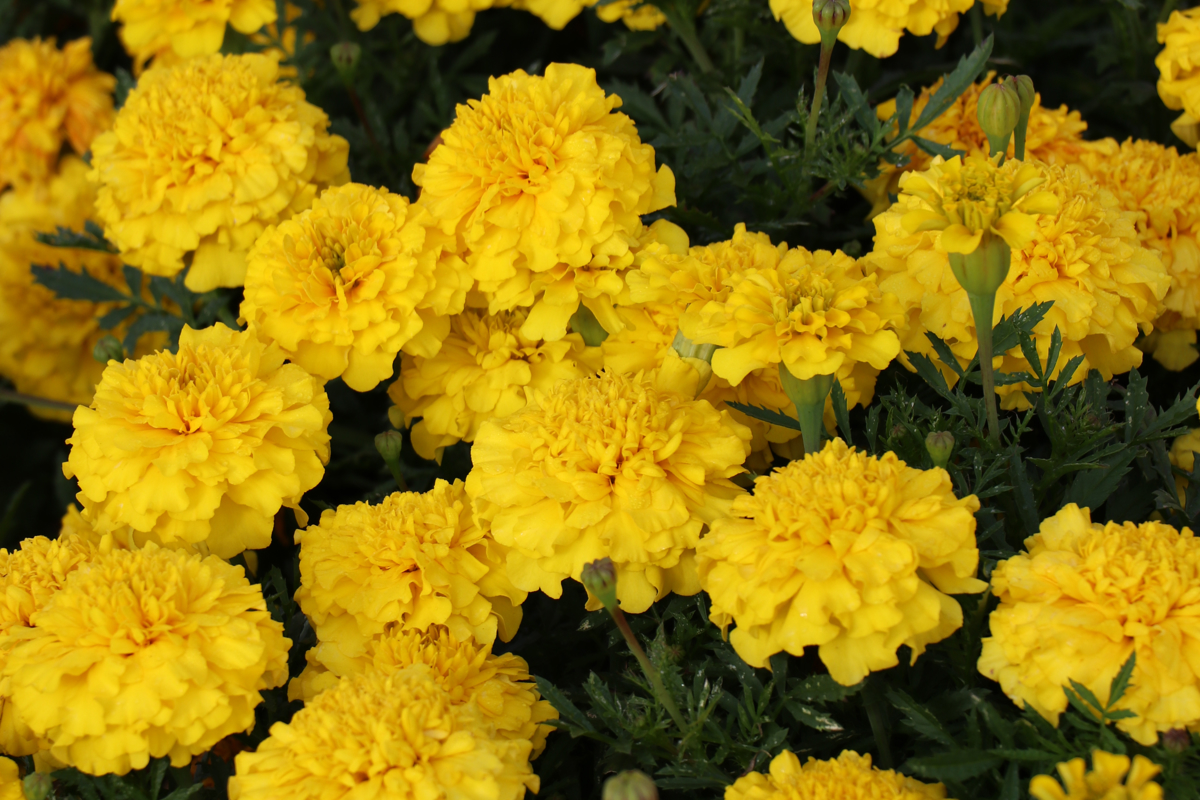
{"points": [[1109, 777], [849, 776]]}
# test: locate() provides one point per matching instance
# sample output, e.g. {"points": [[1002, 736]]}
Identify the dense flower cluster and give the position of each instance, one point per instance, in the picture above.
{"points": [[171, 31], [853, 554], [1082, 600], [200, 448], [202, 158], [1179, 71], [1110, 777], [847, 777]]}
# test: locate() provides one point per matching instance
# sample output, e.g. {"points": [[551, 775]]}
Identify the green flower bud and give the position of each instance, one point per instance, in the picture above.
{"points": [[999, 111], [1025, 93], [37, 786], [1176, 740], [631, 784], [390, 444], [108, 349], [830, 16], [940, 444], [584, 322], [698, 355], [600, 579], [345, 56]]}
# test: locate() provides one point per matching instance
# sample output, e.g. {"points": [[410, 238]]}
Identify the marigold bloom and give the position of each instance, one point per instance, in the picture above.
{"points": [[1086, 257], [1179, 71], [176, 30], [265, 155], [343, 286], [628, 467], [200, 448], [146, 653], [1107, 779], [486, 369], [414, 560], [435, 22], [499, 685], [847, 777], [1083, 599], [544, 185], [852, 553], [11, 787], [636, 14], [386, 735]]}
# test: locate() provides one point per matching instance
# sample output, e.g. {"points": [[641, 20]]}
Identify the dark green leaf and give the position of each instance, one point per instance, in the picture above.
{"points": [[92, 238], [944, 353], [567, 710], [1023, 491], [935, 149], [1084, 701], [148, 323], [766, 415], [115, 317], [125, 84], [904, 107], [957, 766], [1120, 683], [807, 715], [920, 719], [76, 285], [840, 413], [856, 101], [821, 689], [955, 83]]}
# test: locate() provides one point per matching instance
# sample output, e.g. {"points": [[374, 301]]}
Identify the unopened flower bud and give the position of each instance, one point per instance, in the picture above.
{"points": [[37, 786], [830, 17], [345, 56], [699, 356], [1176, 740], [1025, 92], [584, 322], [390, 444], [632, 784], [999, 111], [600, 579], [940, 444], [108, 348]]}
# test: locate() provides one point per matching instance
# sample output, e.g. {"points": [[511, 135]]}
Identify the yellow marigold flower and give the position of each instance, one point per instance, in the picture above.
{"points": [[414, 560], [1083, 599], [1179, 71], [854, 554], [435, 22], [47, 96], [628, 467], [636, 14], [544, 186], [1085, 256], [1105, 781], [386, 735], [1054, 136], [847, 777], [499, 685], [486, 369], [176, 30], [343, 286], [1183, 455], [11, 787], [144, 654], [266, 156], [200, 448]]}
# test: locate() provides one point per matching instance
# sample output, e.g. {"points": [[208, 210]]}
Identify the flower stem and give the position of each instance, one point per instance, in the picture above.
{"points": [[808, 395], [983, 307], [650, 671], [686, 30], [9, 396], [810, 132]]}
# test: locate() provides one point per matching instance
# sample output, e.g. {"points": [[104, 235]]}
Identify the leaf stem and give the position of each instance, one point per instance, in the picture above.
{"points": [[685, 29], [810, 131], [651, 672], [10, 396]]}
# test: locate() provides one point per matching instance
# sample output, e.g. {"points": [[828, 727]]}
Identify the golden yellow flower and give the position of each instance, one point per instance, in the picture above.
{"points": [[386, 735], [413, 561], [47, 96], [847, 777], [1179, 71], [202, 158], [1183, 455], [628, 467], [144, 654], [1105, 781], [636, 14], [500, 686], [1086, 257], [486, 369], [544, 186], [343, 286], [201, 448], [1083, 599], [176, 30], [11, 787], [854, 554], [1054, 136], [435, 22]]}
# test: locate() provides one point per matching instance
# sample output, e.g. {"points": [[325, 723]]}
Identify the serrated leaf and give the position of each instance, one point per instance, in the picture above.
{"points": [[856, 101], [1026, 755], [567, 710], [955, 83], [765, 415], [840, 412], [936, 149], [821, 689], [91, 238], [125, 84], [81, 285], [1011, 790], [920, 719], [115, 317], [1023, 492], [957, 766], [904, 108], [1120, 683], [1084, 700], [944, 353], [807, 715], [148, 323]]}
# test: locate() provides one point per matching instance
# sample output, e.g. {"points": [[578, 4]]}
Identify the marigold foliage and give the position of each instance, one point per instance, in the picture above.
{"points": [[1106, 287], [397, 735], [499, 686], [544, 184], [847, 777], [146, 653], [200, 449], [1106, 780], [171, 31], [1179, 71], [628, 467], [344, 285], [202, 158], [486, 369], [1081, 600], [414, 561], [854, 554]]}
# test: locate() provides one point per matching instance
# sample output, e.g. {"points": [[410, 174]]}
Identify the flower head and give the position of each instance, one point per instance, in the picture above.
{"points": [[1179, 71], [435, 22], [1081, 600], [47, 96], [172, 31], [378, 734], [847, 777], [845, 551], [1085, 256], [202, 158], [500, 686], [1183, 455], [544, 184], [486, 369], [200, 448], [1107, 779], [144, 654], [877, 25], [629, 467], [343, 286], [413, 561]]}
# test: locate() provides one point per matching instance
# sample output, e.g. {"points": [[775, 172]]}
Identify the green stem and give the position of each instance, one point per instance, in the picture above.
{"points": [[808, 395], [9, 396], [977, 24], [810, 131], [685, 29], [876, 716], [983, 306], [1019, 135], [651, 672]]}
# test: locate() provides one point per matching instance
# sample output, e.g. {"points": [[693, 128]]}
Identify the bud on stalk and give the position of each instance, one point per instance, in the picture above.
{"points": [[940, 445], [1027, 95], [999, 111], [632, 784]]}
